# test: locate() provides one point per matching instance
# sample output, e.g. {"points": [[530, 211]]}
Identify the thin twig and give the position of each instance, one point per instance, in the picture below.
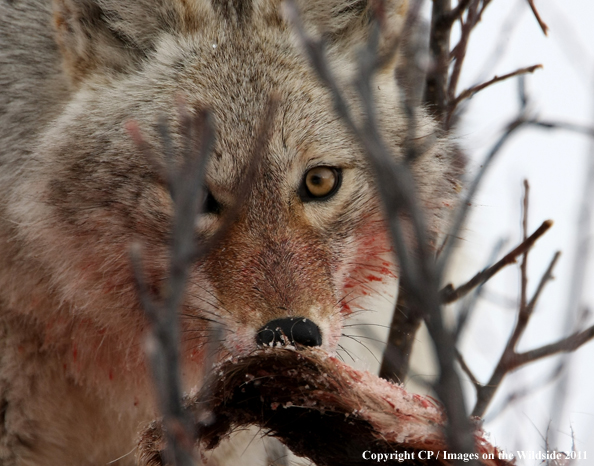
{"points": [[467, 369], [524, 265], [450, 294], [576, 128], [468, 93], [458, 11], [185, 182], [506, 363], [541, 23], [566, 345], [458, 55]]}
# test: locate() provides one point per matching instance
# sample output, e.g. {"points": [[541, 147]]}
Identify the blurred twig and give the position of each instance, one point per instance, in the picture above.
{"points": [[185, 183]]}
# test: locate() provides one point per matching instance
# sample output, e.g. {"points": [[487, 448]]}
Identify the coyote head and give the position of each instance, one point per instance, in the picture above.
{"points": [[308, 244]]}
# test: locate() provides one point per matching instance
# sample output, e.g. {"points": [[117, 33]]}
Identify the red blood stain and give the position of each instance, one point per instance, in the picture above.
{"points": [[421, 400], [373, 278], [74, 352], [389, 402], [110, 374]]}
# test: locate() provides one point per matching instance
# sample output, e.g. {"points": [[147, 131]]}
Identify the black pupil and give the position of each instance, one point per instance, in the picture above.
{"points": [[316, 180], [211, 205]]}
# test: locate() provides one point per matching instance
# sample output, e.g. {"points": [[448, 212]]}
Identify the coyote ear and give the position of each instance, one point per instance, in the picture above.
{"points": [[106, 36], [86, 40], [346, 23]]}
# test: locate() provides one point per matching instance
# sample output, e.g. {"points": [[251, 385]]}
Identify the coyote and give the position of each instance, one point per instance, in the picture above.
{"points": [[307, 247]]}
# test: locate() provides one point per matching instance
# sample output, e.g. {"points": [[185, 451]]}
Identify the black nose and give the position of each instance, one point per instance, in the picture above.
{"points": [[289, 331]]}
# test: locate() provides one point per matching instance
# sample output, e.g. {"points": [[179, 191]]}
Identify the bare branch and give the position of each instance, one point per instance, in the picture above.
{"points": [[449, 294], [398, 193], [541, 23], [468, 93], [467, 370], [524, 266], [404, 326], [458, 55], [458, 11], [486, 392], [566, 345], [439, 46], [585, 130]]}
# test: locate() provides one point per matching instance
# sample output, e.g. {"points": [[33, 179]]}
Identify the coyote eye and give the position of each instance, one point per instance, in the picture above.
{"points": [[320, 183], [210, 205]]}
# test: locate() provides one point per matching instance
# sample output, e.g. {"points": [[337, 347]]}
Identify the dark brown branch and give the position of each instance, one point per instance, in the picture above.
{"points": [[439, 47], [524, 266], [458, 11], [585, 130], [541, 23], [486, 392], [466, 94], [458, 55], [566, 345], [450, 294], [404, 326]]}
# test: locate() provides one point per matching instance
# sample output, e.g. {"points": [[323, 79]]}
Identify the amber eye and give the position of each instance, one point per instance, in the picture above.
{"points": [[320, 183]]}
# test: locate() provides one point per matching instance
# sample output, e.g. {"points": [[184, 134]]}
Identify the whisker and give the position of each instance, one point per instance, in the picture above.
{"points": [[364, 346], [347, 352], [365, 337], [368, 324]]}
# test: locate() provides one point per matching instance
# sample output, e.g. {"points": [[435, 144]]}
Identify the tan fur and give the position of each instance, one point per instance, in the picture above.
{"points": [[75, 193]]}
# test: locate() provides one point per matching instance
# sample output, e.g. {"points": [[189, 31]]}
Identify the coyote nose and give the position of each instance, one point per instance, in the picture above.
{"points": [[289, 331]]}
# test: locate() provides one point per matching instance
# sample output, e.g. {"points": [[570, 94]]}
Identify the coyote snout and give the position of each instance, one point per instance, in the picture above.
{"points": [[271, 268]]}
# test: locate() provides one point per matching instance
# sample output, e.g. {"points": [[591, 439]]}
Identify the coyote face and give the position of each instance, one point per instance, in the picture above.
{"points": [[308, 243]]}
